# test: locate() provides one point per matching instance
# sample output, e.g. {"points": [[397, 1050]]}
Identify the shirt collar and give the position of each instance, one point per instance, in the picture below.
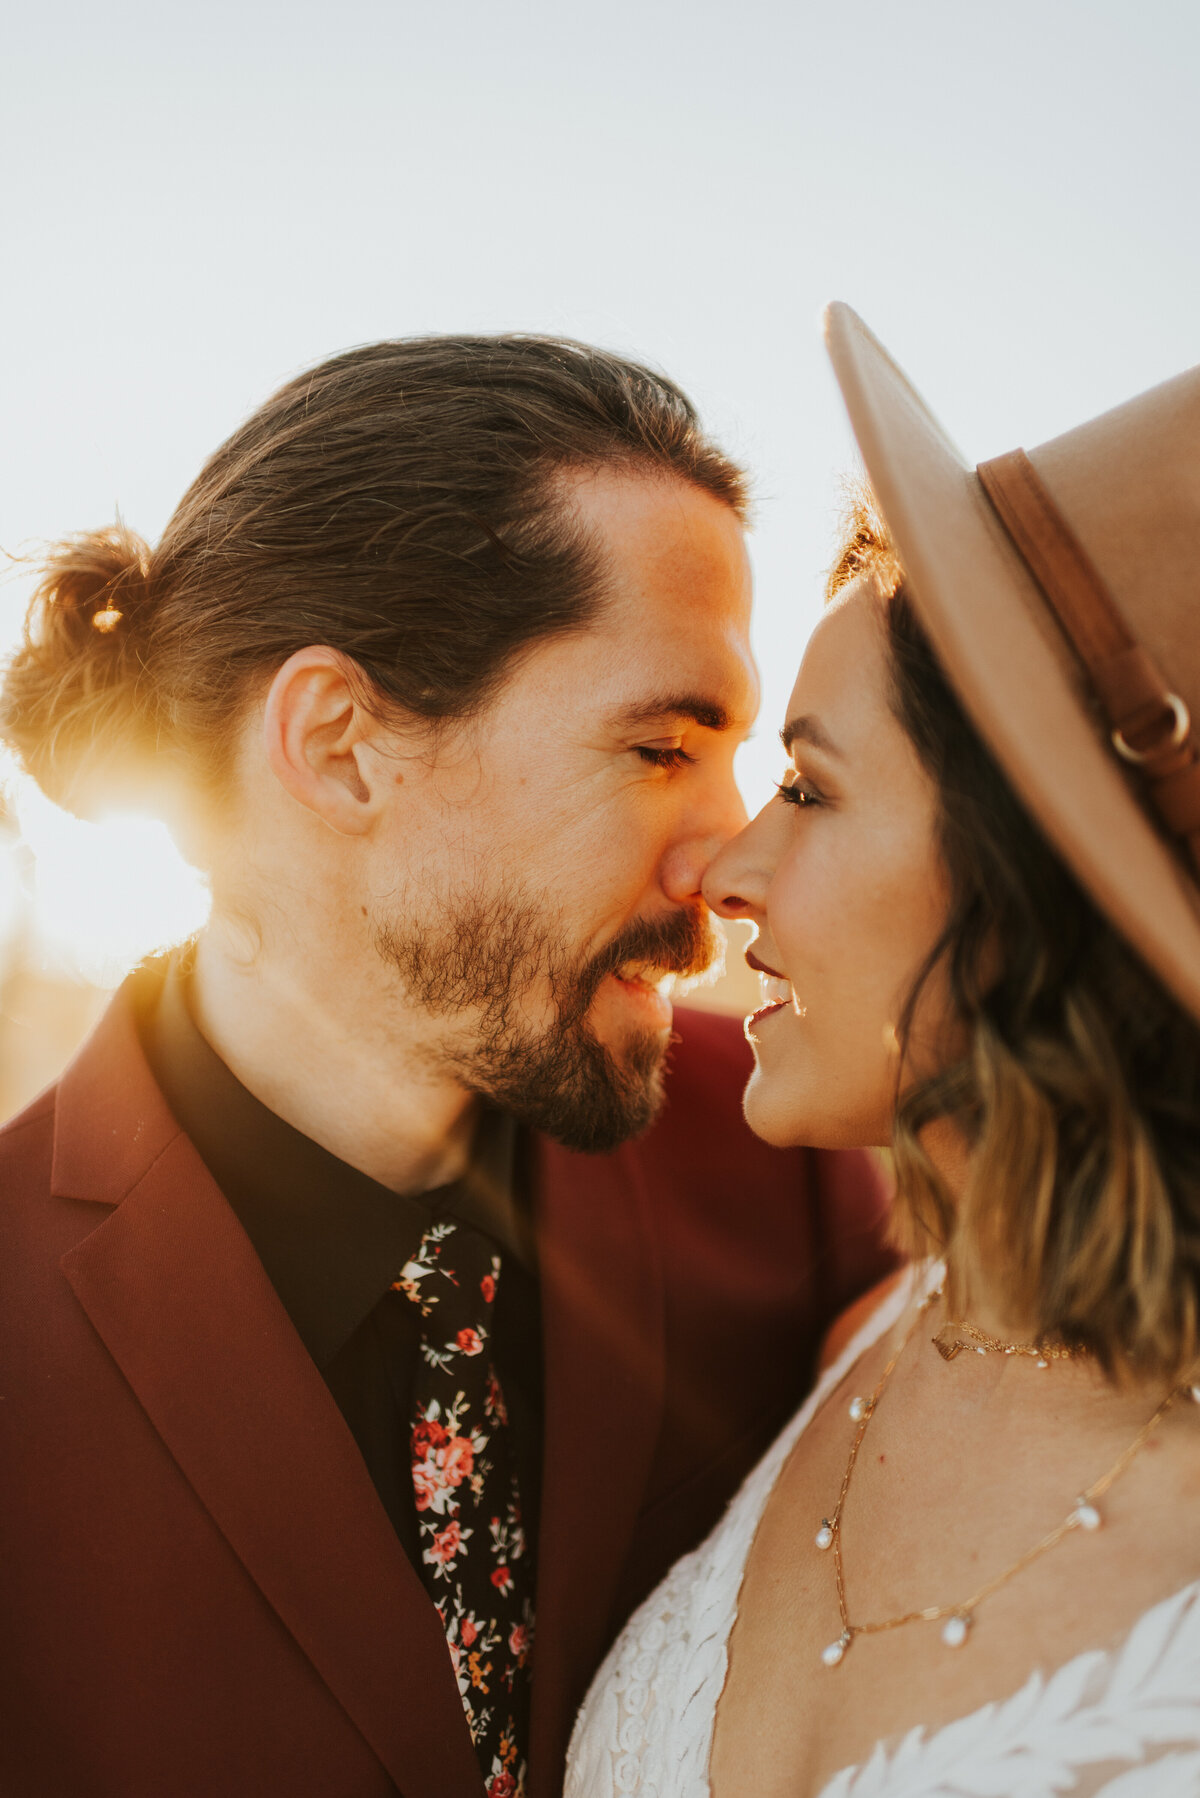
{"points": [[330, 1238]]}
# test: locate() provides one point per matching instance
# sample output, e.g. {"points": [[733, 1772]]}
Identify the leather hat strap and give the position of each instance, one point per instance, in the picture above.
{"points": [[1149, 724]]}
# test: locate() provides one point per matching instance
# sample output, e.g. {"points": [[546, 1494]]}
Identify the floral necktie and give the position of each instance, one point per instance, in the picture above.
{"points": [[473, 1556]]}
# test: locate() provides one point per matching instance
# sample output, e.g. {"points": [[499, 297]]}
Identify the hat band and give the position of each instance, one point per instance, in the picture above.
{"points": [[1149, 724]]}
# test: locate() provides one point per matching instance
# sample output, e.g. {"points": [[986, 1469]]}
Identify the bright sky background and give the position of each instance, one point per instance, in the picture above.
{"points": [[198, 201]]}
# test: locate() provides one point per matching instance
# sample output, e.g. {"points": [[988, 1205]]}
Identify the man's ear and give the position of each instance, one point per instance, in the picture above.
{"points": [[316, 733]]}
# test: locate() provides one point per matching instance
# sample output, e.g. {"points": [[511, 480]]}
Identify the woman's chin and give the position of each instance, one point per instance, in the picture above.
{"points": [[788, 1112], [768, 1112]]}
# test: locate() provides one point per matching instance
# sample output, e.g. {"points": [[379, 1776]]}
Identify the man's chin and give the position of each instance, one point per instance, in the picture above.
{"points": [[587, 1094], [620, 1113]]}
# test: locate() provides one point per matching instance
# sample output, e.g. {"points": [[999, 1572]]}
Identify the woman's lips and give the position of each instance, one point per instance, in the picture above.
{"points": [[776, 987], [762, 967], [776, 990]]}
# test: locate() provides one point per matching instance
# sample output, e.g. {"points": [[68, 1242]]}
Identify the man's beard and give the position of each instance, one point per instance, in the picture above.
{"points": [[485, 954]]}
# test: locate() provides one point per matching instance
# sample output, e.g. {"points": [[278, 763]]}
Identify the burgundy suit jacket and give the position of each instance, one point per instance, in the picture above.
{"points": [[200, 1593]]}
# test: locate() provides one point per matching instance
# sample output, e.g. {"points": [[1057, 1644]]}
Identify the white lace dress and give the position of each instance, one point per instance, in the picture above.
{"points": [[1124, 1724]]}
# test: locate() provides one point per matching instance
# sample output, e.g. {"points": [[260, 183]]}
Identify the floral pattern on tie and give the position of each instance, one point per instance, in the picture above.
{"points": [[473, 1547]]}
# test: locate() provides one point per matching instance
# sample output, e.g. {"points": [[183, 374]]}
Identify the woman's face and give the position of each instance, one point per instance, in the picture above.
{"points": [[842, 877]]}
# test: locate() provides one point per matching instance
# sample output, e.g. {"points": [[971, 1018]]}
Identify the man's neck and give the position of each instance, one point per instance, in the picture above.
{"points": [[328, 1066]]}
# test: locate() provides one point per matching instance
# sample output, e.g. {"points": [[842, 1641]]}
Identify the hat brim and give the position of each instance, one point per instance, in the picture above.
{"points": [[1008, 662]]}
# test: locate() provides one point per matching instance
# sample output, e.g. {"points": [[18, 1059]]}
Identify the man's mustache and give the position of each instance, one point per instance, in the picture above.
{"points": [[682, 942]]}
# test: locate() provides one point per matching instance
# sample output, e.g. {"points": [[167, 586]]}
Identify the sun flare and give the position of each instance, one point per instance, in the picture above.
{"points": [[101, 896]]}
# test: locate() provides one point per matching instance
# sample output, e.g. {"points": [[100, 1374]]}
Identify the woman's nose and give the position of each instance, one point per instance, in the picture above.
{"points": [[735, 881]]}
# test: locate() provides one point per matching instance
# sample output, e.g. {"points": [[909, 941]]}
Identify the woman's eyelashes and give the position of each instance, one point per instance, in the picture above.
{"points": [[793, 789], [664, 758]]}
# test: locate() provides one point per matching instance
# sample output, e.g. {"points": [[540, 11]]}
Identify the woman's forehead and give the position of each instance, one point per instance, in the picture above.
{"points": [[843, 674]]}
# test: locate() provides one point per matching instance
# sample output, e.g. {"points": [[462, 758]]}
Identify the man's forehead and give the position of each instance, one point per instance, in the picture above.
{"points": [[665, 544]]}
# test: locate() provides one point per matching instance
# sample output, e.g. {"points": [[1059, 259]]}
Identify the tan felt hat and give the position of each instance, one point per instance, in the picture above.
{"points": [[1061, 591]]}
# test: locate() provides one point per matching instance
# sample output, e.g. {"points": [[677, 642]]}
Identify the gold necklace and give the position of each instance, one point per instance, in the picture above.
{"points": [[956, 1618], [948, 1343]]}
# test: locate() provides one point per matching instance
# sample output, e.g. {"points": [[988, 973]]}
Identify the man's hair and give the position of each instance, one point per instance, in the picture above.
{"points": [[1079, 1089], [404, 504]]}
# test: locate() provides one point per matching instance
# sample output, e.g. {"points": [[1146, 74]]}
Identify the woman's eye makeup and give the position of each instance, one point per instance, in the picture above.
{"points": [[793, 789]]}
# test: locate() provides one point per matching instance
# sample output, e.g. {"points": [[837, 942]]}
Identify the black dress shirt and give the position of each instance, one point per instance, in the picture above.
{"points": [[332, 1240]]}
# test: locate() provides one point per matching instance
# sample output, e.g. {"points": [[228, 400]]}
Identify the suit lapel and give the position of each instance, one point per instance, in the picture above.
{"points": [[602, 1302], [174, 1289]]}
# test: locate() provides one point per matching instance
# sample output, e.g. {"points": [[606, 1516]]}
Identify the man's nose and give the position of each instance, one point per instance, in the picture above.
{"points": [[704, 836], [729, 816]]}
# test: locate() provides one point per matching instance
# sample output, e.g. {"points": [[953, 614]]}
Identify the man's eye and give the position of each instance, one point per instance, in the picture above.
{"points": [[664, 758]]}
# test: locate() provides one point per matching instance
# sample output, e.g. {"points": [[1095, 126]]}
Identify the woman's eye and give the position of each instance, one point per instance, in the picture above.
{"points": [[794, 790], [663, 758]]}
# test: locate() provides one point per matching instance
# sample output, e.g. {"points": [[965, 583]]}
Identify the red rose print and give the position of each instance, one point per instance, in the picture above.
{"points": [[493, 1403], [445, 1544], [426, 1485], [426, 1435], [457, 1460], [467, 1498]]}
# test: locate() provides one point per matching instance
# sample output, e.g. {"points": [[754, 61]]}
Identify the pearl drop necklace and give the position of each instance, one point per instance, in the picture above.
{"points": [[956, 1619]]}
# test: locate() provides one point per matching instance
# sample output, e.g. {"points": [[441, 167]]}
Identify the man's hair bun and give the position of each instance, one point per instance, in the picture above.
{"points": [[76, 704], [400, 504]]}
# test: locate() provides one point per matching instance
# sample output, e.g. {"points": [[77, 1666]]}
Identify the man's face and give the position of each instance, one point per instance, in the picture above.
{"points": [[540, 871]]}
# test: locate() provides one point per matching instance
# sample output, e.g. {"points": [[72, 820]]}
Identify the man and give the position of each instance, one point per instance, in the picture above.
{"points": [[363, 1361]]}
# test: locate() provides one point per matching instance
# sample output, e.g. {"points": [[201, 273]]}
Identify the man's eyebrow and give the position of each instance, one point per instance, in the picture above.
{"points": [[807, 729], [694, 706]]}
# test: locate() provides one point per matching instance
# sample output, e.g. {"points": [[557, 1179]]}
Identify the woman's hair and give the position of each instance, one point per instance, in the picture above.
{"points": [[402, 503], [1079, 1091]]}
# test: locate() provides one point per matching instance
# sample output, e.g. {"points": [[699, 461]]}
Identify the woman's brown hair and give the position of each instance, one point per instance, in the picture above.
{"points": [[1079, 1093], [400, 503]]}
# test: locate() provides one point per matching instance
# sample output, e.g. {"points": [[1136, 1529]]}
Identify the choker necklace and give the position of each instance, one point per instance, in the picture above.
{"points": [[956, 1619], [956, 1334]]}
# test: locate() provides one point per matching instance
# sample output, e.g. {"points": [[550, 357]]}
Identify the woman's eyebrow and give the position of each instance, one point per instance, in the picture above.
{"points": [[810, 730]]}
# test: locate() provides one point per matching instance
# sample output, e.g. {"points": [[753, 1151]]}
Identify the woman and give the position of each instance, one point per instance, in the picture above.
{"points": [[972, 1562]]}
